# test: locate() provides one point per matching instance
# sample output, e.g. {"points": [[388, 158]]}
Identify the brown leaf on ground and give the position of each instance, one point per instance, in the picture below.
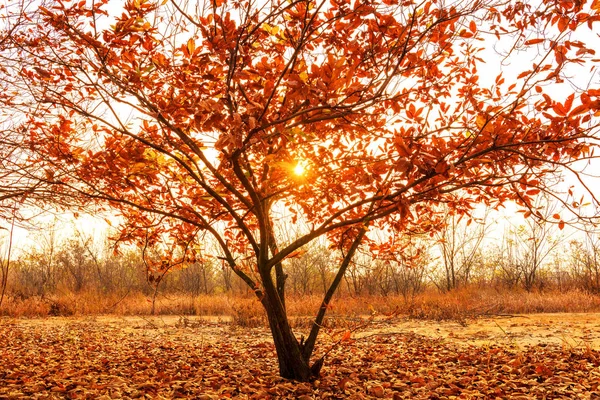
{"points": [[91, 360]]}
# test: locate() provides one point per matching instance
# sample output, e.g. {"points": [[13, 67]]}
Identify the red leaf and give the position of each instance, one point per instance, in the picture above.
{"points": [[534, 41], [569, 102], [579, 110], [563, 22], [473, 27]]}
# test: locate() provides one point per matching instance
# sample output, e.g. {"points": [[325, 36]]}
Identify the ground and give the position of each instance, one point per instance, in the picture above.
{"points": [[533, 356]]}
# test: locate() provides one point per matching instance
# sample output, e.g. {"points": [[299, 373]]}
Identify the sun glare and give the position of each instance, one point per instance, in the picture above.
{"points": [[300, 168]]}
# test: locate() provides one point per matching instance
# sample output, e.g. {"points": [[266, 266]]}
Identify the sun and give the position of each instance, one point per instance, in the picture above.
{"points": [[300, 168]]}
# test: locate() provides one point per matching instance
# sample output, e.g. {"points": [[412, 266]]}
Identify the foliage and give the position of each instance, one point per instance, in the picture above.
{"points": [[191, 119]]}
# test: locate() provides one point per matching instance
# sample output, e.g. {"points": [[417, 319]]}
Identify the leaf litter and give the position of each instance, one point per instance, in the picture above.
{"points": [[111, 359]]}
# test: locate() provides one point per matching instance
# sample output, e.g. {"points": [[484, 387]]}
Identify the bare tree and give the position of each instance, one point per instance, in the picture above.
{"points": [[459, 242], [585, 261], [5, 260], [527, 247]]}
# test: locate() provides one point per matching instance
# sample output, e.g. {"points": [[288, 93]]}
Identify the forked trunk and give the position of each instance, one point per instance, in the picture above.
{"points": [[292, 364], [294, 357]]}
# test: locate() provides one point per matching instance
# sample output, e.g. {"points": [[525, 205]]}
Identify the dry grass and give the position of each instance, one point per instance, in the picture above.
{"points": [[94, 303], [247, 311], [472, 302]]}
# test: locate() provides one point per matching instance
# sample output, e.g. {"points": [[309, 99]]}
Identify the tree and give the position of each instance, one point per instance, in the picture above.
{"points": [[460, 248], [18, 184], [39, 269], [208, 118], [528, 246], [585, 262], [5, 263]]}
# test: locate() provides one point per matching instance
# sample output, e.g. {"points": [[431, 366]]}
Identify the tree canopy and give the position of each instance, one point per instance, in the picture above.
{"points": [[222, 118]]}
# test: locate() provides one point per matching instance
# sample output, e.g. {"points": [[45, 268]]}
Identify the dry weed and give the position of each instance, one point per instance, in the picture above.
{"points": [[457, 305]]}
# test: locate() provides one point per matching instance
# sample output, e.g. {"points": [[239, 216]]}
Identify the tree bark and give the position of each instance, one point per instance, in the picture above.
{"points": [[294, 357], [309, 345], [292, 363]]}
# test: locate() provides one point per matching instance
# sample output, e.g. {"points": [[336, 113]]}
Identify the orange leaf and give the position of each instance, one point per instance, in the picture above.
{"points": [[559, 109], [411, 111], [534, 41], [296, 253], [191, 46], [342, 384], [473, 27], [563, 22], [579, 110], [346, 336], [483, 124], [480, 121], [569, 102]]}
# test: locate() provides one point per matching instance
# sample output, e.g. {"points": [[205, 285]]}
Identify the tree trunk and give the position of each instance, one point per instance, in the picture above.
{"points": [[294, 356], [293, 360], [292, 364]]}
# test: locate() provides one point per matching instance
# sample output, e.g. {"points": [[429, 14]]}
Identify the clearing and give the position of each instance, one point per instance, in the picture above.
{"points": [[528, 356]]}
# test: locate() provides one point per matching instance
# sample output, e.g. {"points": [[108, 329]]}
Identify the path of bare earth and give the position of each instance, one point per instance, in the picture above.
{"points": [[530, 356]]}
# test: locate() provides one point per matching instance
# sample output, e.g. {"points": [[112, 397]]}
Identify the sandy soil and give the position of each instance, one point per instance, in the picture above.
{"points": [[570, 330], [573, 330]]}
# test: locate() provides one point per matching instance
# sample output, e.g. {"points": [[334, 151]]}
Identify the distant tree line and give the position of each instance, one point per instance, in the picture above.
{"points": [[531, 256]]}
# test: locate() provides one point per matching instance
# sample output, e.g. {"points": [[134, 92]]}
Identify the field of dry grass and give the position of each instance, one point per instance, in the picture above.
{"points": [[247, 311]]}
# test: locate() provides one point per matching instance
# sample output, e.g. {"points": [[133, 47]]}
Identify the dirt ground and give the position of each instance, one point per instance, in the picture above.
{"points": [[565, 329], [571, 330]]}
